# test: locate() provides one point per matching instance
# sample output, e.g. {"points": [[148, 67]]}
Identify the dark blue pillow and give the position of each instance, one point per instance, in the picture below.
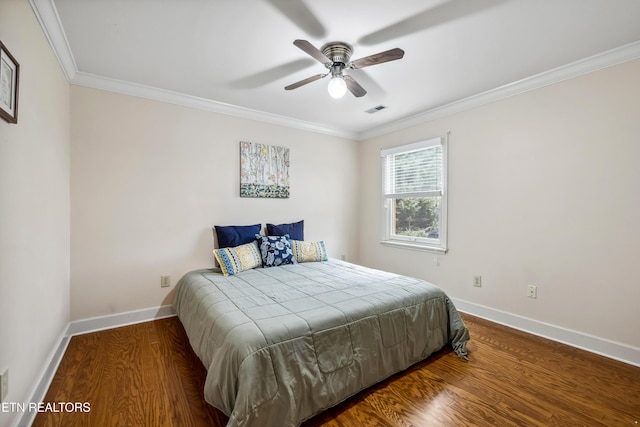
{"points": [[275, 250], [295, 230], [235, 235]]}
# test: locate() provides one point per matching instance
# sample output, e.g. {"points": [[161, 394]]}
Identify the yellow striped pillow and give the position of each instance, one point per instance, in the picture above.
{"points": [[308, 251], [239, 258]]}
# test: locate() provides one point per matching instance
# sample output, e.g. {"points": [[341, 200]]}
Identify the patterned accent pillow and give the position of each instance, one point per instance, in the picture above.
{"points": [[234, 260], [308, 251], [275, 250]]}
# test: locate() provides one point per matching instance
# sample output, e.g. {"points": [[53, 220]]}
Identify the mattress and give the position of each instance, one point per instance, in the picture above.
{"points": [[282, 344]]}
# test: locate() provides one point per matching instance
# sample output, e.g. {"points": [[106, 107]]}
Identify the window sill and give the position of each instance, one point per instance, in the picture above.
{"points": [[414, 246]]}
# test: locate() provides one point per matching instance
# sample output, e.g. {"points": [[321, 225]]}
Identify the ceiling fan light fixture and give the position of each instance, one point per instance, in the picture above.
{"points": [[337, 87], [336, 57]]}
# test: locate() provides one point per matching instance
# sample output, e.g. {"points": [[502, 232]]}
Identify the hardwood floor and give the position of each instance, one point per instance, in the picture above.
{"points": [[147, 375]]}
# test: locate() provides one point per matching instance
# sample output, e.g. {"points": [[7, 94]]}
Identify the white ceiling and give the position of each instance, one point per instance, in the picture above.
{"points": [[236, 57]]}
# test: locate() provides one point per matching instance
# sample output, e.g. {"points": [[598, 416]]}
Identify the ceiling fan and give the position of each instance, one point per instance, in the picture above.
{"points": [[336, 57]]}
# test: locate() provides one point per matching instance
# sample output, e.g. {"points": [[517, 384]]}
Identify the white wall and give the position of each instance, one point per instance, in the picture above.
{"points": [[544, 190], [34, 207], [149, 180]]}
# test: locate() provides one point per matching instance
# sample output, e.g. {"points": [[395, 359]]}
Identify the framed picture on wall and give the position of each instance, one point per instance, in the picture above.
{"points": [[9, 78], [264, 171]]}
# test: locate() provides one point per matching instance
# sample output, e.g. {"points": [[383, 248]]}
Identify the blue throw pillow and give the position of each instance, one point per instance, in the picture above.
{"points": [[295, 230], [275, 250], [235, 235]]}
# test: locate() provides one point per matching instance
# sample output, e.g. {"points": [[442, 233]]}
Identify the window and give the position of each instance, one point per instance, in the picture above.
{"points": [[415, 195]]}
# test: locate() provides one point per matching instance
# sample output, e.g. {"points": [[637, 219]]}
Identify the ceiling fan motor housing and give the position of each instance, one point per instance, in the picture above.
{"points": [[338, 52]]}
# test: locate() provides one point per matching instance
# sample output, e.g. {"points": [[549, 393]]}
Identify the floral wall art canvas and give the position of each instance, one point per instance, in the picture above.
{"points": [[264, 171]]}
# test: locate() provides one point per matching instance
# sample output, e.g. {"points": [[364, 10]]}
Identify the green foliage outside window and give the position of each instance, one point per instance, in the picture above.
{"points": [[417, 217]]}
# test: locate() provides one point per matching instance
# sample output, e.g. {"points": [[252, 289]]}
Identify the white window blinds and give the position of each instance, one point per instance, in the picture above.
{"points": [[414, 170]]}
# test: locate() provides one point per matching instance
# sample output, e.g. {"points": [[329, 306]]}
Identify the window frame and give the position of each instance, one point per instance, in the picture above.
{"points": [[438, 245]]}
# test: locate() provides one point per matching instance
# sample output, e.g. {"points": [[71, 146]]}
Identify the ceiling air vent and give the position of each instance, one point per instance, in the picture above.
{"points": [[375, 109]]}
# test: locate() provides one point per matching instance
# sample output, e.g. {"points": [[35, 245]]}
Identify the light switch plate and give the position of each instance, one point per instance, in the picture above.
{"points": [[165, 281]]}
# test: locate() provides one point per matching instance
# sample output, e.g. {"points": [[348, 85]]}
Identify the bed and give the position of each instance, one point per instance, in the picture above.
{"points": [[282, 344]]}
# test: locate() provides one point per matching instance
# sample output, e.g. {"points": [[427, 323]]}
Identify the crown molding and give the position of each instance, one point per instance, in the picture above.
{"points": [[49, 20], [47, 15], [584, 66], [156, 94]]}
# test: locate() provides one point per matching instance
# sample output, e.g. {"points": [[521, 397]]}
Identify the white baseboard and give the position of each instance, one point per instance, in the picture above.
{"points": [[94, 324], [79, 327], [43, 380], [611, 349]]}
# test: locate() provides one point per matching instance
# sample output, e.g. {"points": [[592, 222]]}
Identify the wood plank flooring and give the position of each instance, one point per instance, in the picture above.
{"points": [[147, 375]]}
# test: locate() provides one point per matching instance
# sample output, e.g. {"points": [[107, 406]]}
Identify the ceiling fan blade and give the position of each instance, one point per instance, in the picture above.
{"points": [[438, 15], [378, 58], [313, 51], [270, 75], [354, 87], [305, 81], [298, 13]]}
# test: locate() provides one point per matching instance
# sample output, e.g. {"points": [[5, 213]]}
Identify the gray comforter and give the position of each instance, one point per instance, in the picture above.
{"points": [[281, 344]]}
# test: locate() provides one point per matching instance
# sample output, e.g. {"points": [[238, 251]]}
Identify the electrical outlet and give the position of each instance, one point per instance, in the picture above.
{"points": [[532, 291], [4, 384], [477, 281], [165, 281]]}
